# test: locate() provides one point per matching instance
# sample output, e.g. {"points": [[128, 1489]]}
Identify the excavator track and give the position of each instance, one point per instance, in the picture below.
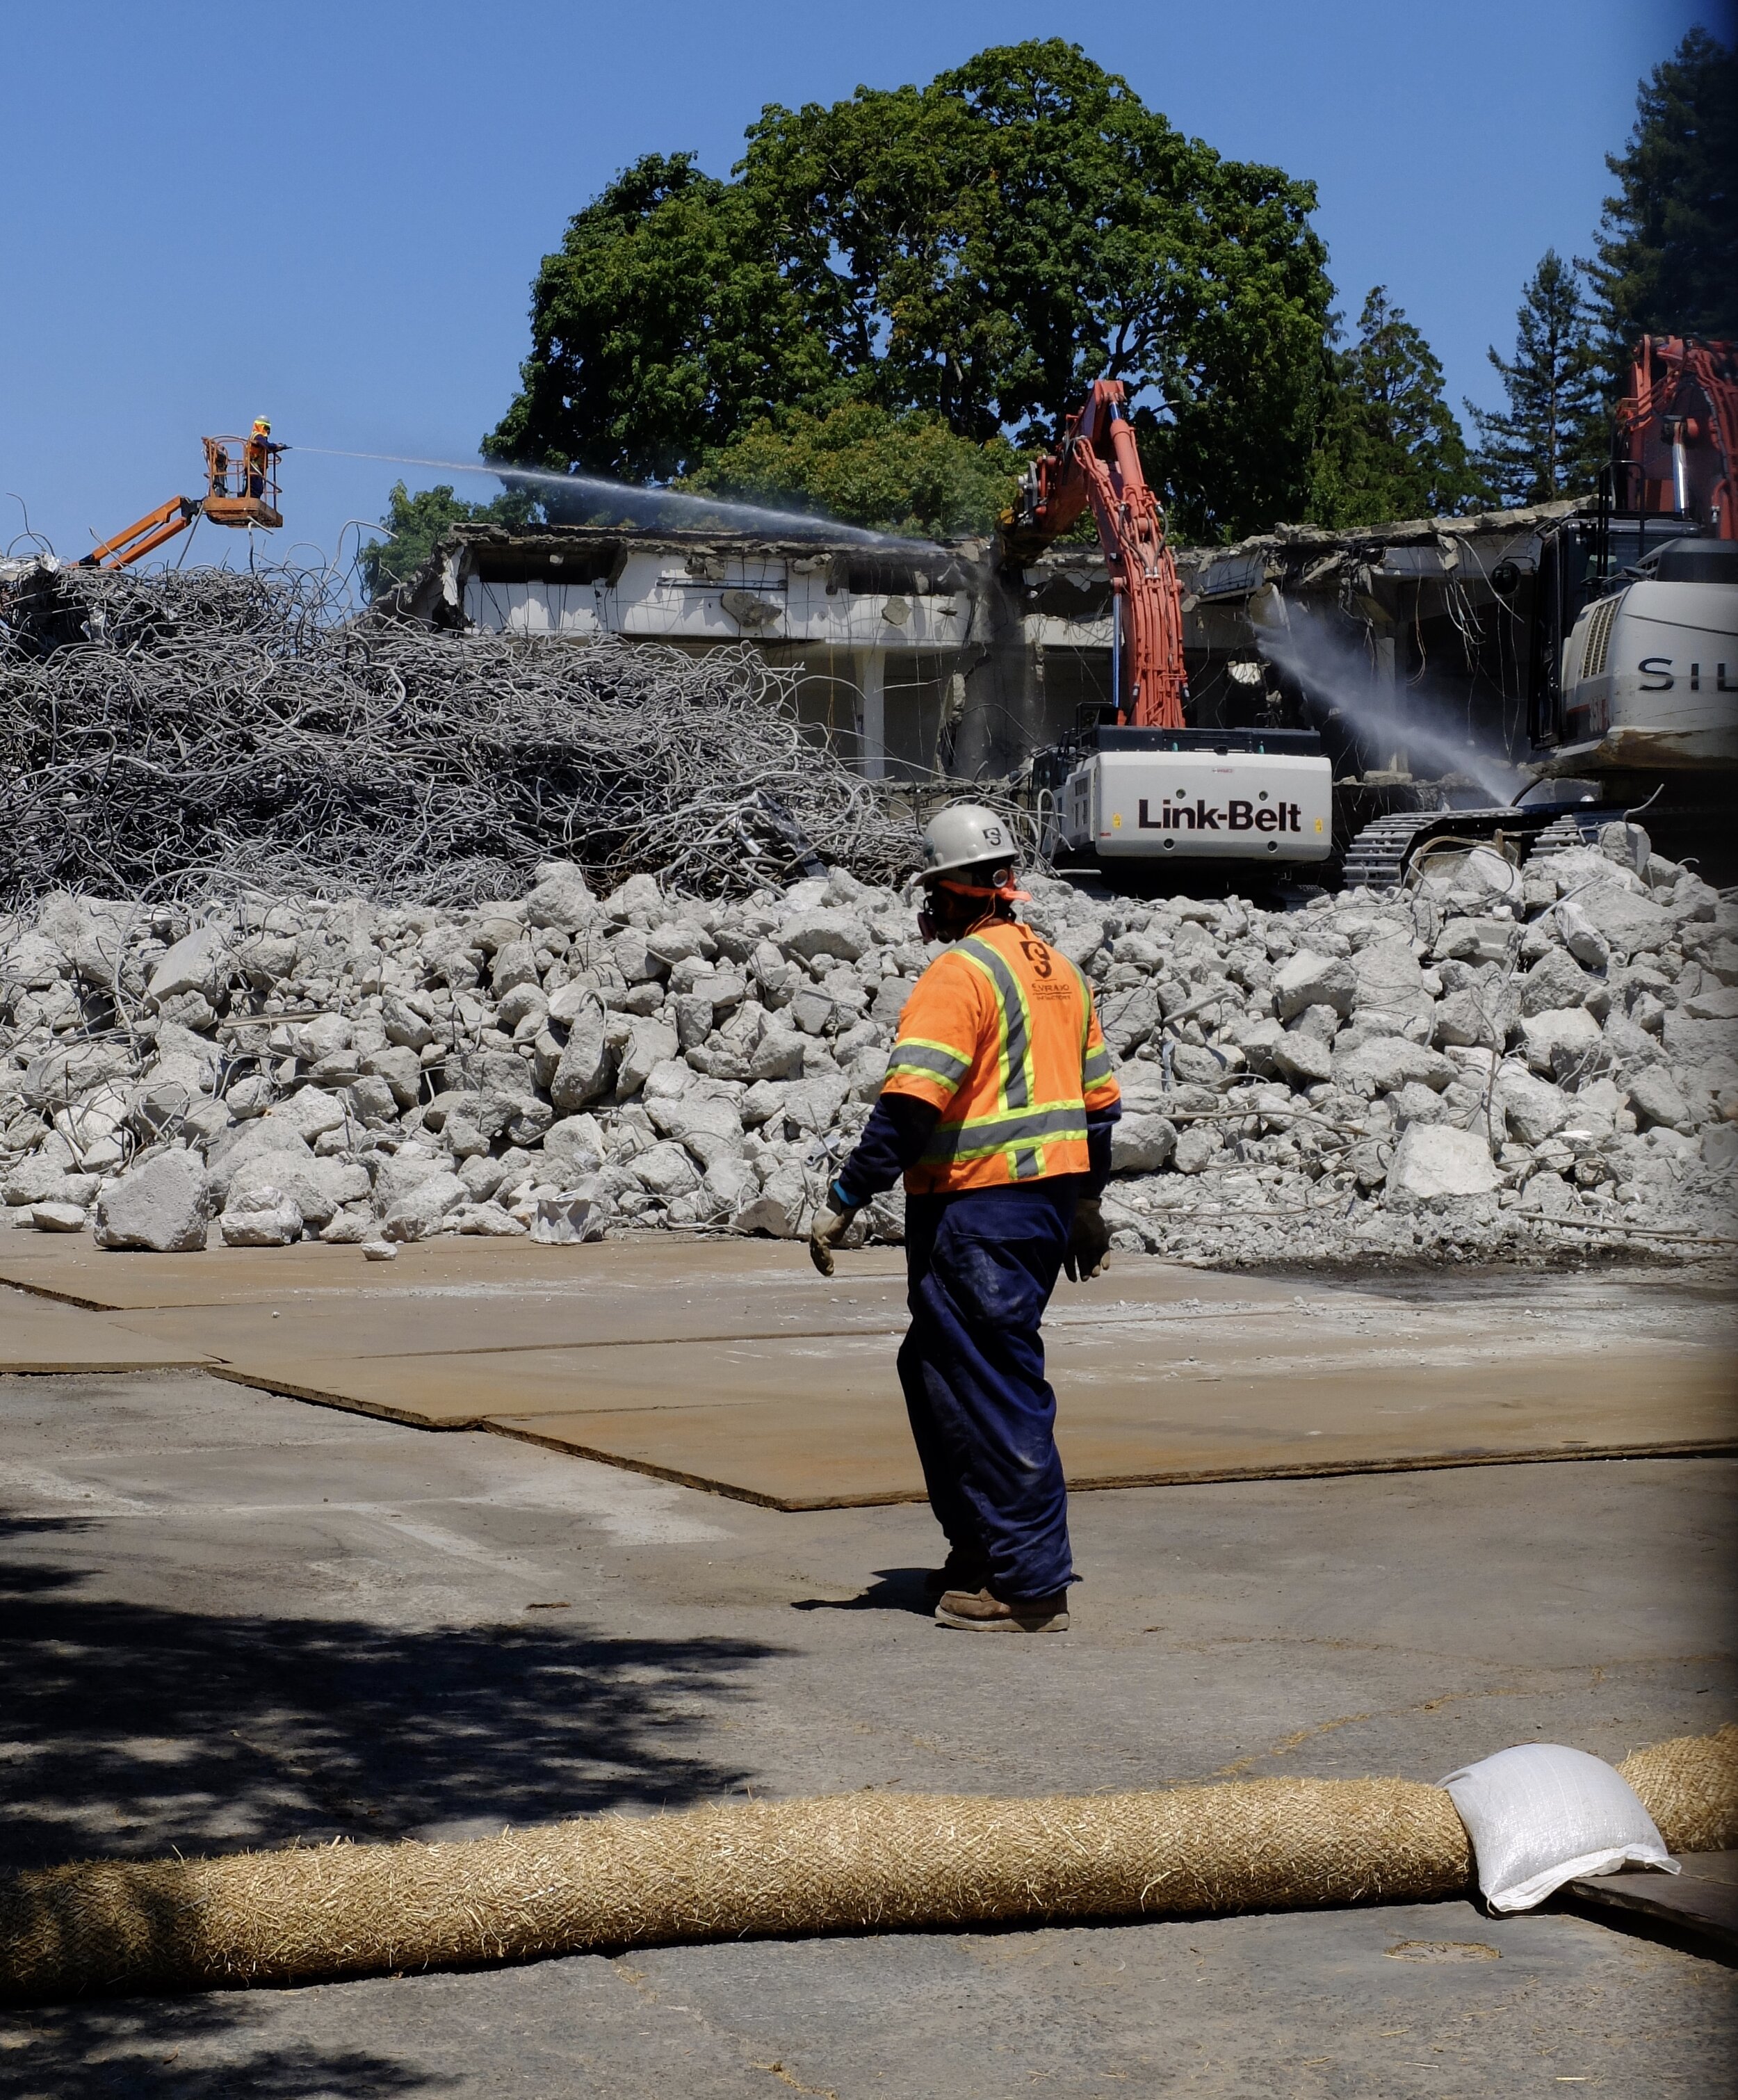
{"points": [[1376, 859], [1379, 857], [1568, 832]]}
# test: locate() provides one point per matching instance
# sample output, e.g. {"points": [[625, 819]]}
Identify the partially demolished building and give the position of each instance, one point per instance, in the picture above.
{"points": [[917, 660]]}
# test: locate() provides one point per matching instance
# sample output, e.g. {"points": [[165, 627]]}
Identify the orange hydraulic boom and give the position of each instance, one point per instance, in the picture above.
{"points": [[1098, 463], [242, 490]]}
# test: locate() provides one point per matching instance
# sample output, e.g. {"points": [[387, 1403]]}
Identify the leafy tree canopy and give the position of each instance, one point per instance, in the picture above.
{"points": [[903, 471], [414, 525], [1390, 445], [977, 251], [662, 328], [1667, 261], [1555, 433]]}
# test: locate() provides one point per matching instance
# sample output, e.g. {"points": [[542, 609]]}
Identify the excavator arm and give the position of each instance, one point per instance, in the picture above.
{"points": [[1097, 466], [141, 538]]}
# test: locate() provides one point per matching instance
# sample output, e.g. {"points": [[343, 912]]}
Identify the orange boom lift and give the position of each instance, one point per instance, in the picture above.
{"points": [[242, 490]]}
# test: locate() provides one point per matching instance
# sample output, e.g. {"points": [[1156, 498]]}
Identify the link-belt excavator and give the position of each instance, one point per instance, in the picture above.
{"points": [[242, 490], [1147, 787]]}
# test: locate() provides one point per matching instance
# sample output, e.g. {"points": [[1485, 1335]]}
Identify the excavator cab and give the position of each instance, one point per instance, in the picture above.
{"points": [[242, 490]]}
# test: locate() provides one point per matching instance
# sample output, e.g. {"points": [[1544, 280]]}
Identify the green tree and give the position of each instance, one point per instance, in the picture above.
{"points": [[414, 525], [976, 250], [1667, 260], [1389, 446], [896, 471], [1555, 434], [662, 329]]}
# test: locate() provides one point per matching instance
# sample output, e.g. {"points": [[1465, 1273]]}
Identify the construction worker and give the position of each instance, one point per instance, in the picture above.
{"points": [[997, 1108], [259, 454]]}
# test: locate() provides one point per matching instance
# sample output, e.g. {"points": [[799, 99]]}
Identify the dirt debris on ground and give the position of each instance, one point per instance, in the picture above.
{"points": [[1500, 1061]]}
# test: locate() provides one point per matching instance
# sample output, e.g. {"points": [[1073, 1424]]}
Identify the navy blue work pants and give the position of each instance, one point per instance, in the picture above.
{"points": [[981, 1267]]}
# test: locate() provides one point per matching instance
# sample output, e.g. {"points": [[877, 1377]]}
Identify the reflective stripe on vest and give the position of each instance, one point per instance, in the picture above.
{"points": [[1017, 1125], [931, 1059]]}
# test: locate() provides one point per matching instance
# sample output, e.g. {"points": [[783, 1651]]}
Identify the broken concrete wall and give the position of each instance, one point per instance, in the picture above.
{"points": [[955, 659]]}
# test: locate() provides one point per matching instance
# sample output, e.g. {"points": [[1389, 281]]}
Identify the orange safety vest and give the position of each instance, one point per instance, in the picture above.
{"points": [[1000, 1034]]}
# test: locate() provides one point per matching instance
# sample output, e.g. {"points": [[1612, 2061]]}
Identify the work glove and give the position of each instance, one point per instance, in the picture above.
{"points": [[1088, 1241], [827, 1232]]}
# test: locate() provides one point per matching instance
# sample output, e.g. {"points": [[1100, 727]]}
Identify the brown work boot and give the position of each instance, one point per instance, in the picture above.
{"points": [[959, 1571], [976, 1611]]}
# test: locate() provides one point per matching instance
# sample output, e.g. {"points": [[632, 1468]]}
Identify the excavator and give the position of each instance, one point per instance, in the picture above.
{"points": [[1635, 617], [242, 490], [1146, 787]]}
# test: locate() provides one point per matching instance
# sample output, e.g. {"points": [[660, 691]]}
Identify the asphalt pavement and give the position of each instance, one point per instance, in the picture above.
{"points": [[235, 1619]]}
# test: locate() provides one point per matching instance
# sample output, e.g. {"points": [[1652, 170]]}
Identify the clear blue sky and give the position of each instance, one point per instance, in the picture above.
{"points": [[332, 214]]}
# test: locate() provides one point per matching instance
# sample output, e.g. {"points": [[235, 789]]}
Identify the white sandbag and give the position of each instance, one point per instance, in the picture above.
{"points": [[1539, 1816]]}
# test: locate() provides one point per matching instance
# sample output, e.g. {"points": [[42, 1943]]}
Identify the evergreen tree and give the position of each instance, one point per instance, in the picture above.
{"points": [[1389, 446], [1554, 436], [1668, 250]]}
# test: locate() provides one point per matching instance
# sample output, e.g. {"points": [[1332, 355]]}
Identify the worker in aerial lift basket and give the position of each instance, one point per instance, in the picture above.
{"points": [[997, 1108], [257, 455]]}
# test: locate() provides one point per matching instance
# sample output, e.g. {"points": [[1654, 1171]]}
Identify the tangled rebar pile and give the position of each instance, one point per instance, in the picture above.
{"points": [[169, 736]]}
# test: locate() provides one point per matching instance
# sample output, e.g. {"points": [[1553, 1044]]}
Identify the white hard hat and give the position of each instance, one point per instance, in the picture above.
{"points": [[967, 834]]}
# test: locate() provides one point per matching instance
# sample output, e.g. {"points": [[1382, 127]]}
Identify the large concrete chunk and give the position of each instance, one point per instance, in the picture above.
{"points": [[1386, 1062], [162, 1206], [1141, 1144], [807, 934], [562, 898], [1534, 1108], [782, 1208], [710, 1129], [1474, 941], [1477, 1015], [310, 1113], [574, 1148], [778, 1055], [1630, 924], [665, 1171], [650, 1045], [68, 1071], [200, 963], [1555, 981], [587, 1065], [1390, 982], [1565, 1041], [1306, 980], [262, 1217], [418, 1213], [1435, 1159], [407, 1169], [1303, 1059], [1656, 1097], [319, 1187]]}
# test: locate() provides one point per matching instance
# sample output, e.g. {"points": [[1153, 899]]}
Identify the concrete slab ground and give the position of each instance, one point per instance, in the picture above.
{"points": [[731, 1365], [233, 1619]]}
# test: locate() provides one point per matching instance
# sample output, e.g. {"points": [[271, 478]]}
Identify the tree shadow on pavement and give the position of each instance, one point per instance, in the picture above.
{"points": [[133, 2047], [132, 1729]]}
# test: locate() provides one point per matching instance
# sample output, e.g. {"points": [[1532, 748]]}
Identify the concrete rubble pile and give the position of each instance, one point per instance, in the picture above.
{"points": [[1499, 1059]]}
